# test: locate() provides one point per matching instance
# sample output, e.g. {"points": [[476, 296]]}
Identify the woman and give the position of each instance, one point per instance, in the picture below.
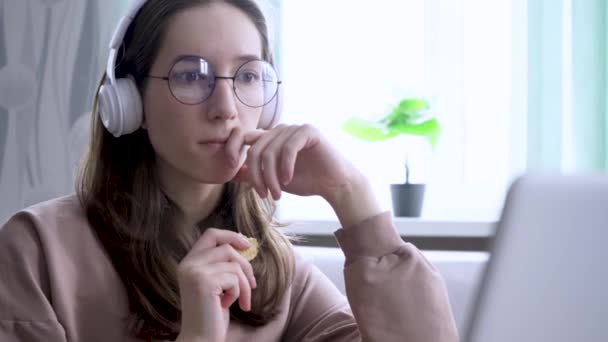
{"points": [[184, 162]]}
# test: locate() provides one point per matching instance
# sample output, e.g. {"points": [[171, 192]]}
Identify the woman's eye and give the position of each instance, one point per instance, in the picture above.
{"points": [[189, 76], [248, 77]]}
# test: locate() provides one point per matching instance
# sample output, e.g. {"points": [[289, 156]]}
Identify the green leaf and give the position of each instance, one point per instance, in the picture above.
{"points": [[367, 131], [429, 129], [413, 105], [407, 111]]}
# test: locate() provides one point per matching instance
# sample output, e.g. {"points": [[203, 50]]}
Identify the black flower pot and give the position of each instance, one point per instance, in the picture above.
{"points": [[407, 199]]}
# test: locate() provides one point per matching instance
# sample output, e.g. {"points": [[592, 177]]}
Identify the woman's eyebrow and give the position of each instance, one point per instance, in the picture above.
{"points": [[245, 58], [178, 57], [240, 58]]}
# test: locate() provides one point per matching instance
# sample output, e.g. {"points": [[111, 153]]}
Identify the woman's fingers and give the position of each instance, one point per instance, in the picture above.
{"points": [[211, 268], [226, 253], [218, 245], [298, 140], [234, 146], [234, 284], [213, 237], [255, 162], [238, 142], [252, 137], [229, 285], [277, 175], [271, 158]]}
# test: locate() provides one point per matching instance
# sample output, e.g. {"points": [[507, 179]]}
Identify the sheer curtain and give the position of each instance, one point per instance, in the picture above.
{"points": [[52, 54], [567, 85]]}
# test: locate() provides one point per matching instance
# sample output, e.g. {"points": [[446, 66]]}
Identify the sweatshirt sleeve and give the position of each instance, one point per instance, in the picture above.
{"points": [[26, 313], [393, 292]]}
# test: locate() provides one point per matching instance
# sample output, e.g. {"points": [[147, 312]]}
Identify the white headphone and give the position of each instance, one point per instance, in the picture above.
{"points": [[120, 105]]}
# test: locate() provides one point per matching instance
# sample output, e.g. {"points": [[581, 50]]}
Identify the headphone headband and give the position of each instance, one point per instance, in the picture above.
{"points": [[119, 35]]}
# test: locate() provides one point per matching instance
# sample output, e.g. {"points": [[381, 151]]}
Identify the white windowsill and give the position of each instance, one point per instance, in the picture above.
{"points": [[405, 226]]}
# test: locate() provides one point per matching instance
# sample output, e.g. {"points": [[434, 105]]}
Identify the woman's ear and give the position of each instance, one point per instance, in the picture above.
{"points": [[143, 117]]}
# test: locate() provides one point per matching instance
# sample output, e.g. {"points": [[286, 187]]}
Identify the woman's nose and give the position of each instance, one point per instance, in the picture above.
{"points": [[222, 101]]}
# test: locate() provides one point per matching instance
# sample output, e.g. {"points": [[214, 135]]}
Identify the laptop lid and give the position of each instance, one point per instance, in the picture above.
{"points": [[547, 277]]}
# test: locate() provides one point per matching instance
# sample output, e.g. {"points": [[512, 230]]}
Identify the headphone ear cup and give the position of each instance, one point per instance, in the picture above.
{"points": [[130, 105], [120, 107], [271, 112]]}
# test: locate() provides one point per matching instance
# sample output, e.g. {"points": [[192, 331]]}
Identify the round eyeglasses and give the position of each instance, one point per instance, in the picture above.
{"points": [[192, 81]]}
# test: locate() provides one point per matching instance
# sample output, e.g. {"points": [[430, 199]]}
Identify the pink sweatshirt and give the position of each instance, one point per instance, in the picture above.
{"points": [[57, 284]]}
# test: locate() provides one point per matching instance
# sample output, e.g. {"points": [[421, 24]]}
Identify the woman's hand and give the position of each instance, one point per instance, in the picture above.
{"points": [[211, 277], [300, 160], [294, 158]]}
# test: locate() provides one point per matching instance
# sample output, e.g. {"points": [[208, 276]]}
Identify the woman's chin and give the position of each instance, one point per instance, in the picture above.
{"points": [[222, 174], [214, 170]]}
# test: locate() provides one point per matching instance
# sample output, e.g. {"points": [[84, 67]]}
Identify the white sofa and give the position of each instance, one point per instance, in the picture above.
{"points": [[460, 270]]}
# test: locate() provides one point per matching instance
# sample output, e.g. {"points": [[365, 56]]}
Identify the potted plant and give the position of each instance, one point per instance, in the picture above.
{"points": [[409, 117]]}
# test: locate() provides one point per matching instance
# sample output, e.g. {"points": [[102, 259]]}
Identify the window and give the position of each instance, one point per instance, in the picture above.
{"points": [[345, 58]]}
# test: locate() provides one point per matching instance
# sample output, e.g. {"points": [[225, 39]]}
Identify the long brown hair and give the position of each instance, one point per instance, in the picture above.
{"points": [[119, 189]]}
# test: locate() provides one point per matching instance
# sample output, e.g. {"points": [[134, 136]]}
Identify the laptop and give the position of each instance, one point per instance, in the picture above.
{"points": [[547, 277]]}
